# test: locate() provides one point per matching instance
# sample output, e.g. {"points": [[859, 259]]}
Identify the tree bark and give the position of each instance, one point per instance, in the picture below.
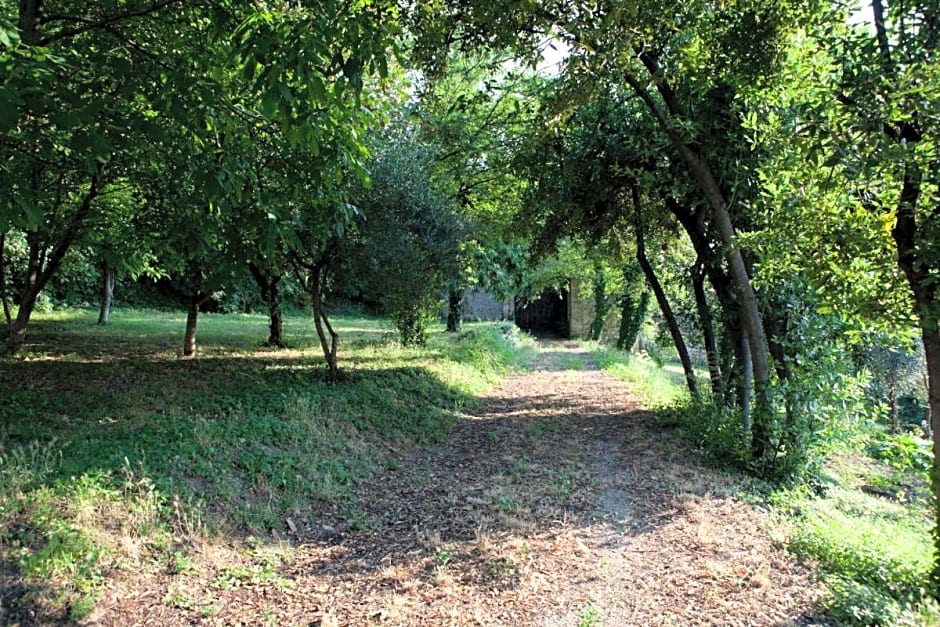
{"points": [[44, 263], [107, 293], [661, 299], [192, 317], [322, 322], [697, 273], [454, 310], [3, 283], [268, 284], [918, 272], [746, 384]]}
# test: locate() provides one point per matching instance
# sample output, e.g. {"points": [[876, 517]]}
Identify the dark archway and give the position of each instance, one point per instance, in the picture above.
{"points": [[546, 316]]}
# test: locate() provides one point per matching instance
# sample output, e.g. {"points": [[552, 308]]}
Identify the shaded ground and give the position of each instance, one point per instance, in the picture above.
{"points": [[557, 502]]}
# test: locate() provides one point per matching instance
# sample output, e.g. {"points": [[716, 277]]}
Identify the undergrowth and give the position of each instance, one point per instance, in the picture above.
{"points": [[116, 456]]}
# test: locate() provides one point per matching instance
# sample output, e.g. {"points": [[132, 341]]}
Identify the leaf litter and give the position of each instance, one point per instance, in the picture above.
{"points": [[557, 501]]}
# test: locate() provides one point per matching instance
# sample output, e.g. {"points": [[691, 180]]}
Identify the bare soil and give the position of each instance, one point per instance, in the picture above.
{"points": [[557, 501]]}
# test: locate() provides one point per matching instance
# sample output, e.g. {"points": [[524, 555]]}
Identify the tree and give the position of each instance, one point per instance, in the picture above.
{"points": [[407, 235], [92, 92]]}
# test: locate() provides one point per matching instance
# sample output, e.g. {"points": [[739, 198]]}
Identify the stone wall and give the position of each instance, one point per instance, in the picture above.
{"points": [[480, 305], [581, 315]]}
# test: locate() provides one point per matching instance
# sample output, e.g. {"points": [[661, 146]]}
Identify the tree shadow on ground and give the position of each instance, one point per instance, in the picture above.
{"points": [[219, 432]]}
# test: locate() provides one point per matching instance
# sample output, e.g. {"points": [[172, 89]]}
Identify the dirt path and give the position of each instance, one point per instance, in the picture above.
{"points": [[557, 502]]}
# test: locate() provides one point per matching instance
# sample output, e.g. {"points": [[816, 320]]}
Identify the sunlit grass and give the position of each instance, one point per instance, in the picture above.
{"points": [[657, 386]]}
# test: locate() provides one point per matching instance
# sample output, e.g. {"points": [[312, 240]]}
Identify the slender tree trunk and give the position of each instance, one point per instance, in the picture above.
{"points": [[661, 299], [697, 273], [107, 293], [192, 317], [3, 284], [44, 261], [34, 285], [322, 322], [275, 316], [454, 310], [746, 386], [744, 291]]}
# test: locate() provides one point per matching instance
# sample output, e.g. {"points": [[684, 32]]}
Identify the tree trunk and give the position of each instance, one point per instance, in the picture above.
{"points": [[192, 317], [107, 293], [661, 299], [920, 278], [322, 322], [34, 285], [697, 272], [931, 338], [3, 284], [454, 310], [744, 291], [268, 283], [746, 384], [44, 263]]}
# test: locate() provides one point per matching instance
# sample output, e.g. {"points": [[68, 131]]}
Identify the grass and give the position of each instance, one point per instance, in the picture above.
{"points": [[118, 456], [872, 545], [655, 385], [867, 530]]}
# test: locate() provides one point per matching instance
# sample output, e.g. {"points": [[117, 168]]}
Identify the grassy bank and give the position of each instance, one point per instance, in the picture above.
{"points": [[116, 456], [865, 524]]}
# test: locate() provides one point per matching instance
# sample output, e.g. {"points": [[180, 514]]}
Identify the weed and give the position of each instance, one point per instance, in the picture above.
{"points": [[506, 504], [520, 467], [589, 616], [874, 552], [239, 576], [560, 482], [657, 385], [903, 452], [502, 567], [358, 520], [539, 428], [443, 555]]}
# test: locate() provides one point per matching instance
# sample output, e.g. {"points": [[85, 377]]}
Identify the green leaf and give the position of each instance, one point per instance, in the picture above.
{"points": [[10, 102]]}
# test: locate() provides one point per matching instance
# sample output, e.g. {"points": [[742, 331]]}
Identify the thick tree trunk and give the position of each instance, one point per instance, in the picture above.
{"points": [[661, 299], [192, 317], [107, 293], [931, 338], [697, 272], [454, 310], [919, 273]]}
